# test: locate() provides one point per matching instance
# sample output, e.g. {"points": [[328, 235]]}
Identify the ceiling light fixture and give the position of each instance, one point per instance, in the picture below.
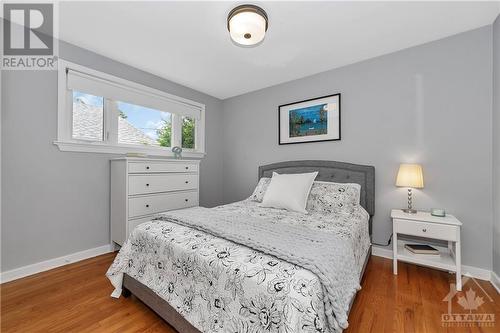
{"points": [[247, 25]]}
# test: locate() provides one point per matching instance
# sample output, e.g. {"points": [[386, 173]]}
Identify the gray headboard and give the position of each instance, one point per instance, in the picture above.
{"points": [[332, 171]]}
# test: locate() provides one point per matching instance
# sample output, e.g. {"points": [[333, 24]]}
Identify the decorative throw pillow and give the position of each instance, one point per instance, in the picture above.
{"points": [[289, 191], [327, 197], [260, 189]]}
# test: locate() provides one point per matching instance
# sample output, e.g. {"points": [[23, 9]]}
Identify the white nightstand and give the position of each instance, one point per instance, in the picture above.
{"points": [[423, 224]]}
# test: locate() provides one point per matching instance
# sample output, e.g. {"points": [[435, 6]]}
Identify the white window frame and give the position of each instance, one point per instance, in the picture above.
{"points": [[66, 142]]}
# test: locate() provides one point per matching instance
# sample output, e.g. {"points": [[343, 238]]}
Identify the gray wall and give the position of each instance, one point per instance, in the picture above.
{"points": [[429, 104], [56, 203], [496, 146]]}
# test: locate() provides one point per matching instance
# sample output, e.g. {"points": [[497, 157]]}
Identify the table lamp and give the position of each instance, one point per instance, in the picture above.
{"points": [[410, 176]]}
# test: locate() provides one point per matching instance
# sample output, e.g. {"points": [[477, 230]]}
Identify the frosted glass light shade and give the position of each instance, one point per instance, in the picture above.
{"points": [[410, 175], [247, 25]]}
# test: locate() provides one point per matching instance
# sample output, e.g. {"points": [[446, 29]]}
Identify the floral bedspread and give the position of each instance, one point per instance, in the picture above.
{"points": [[221, 286]]}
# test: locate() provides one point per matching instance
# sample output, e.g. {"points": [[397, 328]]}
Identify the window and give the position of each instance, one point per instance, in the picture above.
{"points": [[88, 117], [141, 125], [103, 113]]}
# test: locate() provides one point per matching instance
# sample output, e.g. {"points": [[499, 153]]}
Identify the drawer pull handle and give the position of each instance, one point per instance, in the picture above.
{"points": [[187, 168], [147, 185], [424, 230], [147, 206], [187, 182], [186, 200], [147, 168]]}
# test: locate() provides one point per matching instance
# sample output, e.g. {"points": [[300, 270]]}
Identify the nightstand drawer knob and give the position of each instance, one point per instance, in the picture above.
{"points": [[424, 230], [147, 206]]}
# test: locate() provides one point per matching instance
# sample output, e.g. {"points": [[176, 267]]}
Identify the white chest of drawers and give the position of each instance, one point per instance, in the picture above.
{"points": [[141, 188]]}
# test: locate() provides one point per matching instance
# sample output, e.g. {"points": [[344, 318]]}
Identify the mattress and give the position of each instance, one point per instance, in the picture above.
{"points": [[221, 286]]}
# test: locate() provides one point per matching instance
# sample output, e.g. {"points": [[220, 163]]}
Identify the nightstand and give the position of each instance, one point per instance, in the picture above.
{"points": [[423, 224]]}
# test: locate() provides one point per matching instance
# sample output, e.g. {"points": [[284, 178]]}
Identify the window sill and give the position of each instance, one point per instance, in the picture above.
{"points": [[89, 147]]}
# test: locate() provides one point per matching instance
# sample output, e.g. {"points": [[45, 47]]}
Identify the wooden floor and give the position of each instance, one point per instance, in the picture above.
{"points": [[75, 298]]}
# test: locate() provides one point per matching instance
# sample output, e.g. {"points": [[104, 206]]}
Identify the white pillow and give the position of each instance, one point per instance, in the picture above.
{"points": [[289, 191]]}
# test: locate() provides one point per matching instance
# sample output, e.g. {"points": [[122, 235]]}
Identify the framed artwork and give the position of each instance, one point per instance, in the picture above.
{"points": [[312, 120]]}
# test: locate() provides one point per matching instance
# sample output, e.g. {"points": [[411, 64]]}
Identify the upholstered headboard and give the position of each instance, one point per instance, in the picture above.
{"points": [[332, 171]]}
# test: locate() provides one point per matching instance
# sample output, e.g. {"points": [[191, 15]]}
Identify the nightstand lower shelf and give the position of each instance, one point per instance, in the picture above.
{"points": [[445, 260]]}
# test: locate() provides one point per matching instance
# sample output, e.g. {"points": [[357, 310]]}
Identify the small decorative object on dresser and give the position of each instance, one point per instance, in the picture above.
{"points": [[141, 188], [177, 152], [423, 224], [312, 120], [410, 176]]}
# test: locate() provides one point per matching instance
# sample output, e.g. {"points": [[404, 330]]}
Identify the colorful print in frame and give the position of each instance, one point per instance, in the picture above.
{"points": [[312, 120]]}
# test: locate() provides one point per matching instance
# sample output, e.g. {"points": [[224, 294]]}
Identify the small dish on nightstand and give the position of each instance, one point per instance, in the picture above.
{"points": [[439, 212]]}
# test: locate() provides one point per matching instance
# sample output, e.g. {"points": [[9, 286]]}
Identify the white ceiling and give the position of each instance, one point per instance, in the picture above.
{"points": [[187, 42]]}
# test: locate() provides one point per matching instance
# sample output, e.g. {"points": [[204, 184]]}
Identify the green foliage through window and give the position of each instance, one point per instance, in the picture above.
{"points": [[188, 130], [188, 133], [165, 134], [122, 114]]}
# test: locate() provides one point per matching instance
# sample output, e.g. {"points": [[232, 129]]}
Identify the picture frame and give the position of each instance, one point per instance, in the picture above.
{"points": [[311, 120]]}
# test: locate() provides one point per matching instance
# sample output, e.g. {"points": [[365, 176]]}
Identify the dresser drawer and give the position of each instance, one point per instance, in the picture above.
{"points": [[145, 205], [423, 229], [151, 167], [144, 184], [132, 224]]}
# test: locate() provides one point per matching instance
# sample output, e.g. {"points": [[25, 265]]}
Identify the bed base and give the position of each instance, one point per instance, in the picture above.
{"points": [[133, 287], [157, 304]]}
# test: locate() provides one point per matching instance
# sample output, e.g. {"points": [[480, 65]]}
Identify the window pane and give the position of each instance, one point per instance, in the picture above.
{"points": [[141, 125], [88, 117], [188, 131]]}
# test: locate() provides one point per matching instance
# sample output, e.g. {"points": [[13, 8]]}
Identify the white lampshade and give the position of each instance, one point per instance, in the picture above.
{"points": [[410, 175], [247, 25]]}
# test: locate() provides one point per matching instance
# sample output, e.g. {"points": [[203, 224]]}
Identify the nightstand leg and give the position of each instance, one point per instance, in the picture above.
{"points": [[395, 253], [458, 260]]}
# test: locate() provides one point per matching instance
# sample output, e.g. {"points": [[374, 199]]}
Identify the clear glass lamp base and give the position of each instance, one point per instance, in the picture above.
{"points": [[409, 211]]}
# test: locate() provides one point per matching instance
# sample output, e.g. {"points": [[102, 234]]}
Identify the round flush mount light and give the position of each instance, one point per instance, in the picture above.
{"points": [[247, 25]]}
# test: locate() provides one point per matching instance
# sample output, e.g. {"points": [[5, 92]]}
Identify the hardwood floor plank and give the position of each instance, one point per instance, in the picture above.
{"points": [[75, 298]]}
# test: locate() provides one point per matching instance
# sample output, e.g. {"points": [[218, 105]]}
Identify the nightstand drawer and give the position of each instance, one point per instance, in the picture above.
{"points": [[423, 229]]}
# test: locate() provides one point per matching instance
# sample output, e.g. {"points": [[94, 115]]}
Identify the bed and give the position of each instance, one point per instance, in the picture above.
{"points": [[199, 280]]}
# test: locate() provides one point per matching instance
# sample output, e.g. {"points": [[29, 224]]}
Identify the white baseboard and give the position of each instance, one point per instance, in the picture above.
{"points": [[384, 252], [475, 272], [495, 281], [42, 266], [24, 271]]}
